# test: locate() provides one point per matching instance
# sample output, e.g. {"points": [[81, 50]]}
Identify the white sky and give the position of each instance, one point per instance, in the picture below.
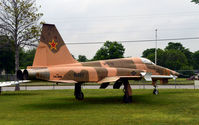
{"points": [[119, 20]]}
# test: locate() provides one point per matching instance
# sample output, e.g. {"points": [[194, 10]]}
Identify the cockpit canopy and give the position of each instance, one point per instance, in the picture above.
{"points": [[147, 61]]}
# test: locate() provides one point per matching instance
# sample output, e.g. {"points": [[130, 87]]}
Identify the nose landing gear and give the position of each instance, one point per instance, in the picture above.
{"points": [[79, 95], [155, 91], [127, 98]]}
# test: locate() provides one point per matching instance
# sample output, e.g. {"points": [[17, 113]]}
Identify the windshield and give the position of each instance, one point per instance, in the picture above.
{"points": [[147, 61]]}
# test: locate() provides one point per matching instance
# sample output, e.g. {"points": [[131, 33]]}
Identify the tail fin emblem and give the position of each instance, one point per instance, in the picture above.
{"points": [[53, 45]]}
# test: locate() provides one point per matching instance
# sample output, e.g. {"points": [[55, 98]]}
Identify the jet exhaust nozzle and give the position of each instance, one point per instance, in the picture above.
{"points": [[31, 74], [20, 74]]}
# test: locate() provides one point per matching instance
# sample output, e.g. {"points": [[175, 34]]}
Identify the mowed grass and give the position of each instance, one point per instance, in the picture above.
{"points": [[57, 107]]}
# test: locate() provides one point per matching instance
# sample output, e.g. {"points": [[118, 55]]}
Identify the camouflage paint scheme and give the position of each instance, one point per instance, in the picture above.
{"points": [[53, 62]]}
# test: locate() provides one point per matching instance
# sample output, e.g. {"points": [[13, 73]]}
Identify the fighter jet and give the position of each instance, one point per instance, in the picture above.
{"points": [[53, 62]]}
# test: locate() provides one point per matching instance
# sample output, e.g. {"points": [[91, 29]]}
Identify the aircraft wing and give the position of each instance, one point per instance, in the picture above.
{"points": [[163, 77], [145, 75], [9, 83], [63, 81], [109, 79]]}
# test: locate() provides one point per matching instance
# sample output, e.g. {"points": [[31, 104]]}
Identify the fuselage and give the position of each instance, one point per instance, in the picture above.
{"points": [[95, 71]]}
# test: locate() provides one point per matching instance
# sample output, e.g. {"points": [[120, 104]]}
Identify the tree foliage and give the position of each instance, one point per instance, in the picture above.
{"points": [[185, 51], [82, 58], [19, 21], [26, 58], [6, 55], [174, 46], [110, 50], [7, 61], [196, 59], [195, 1], [175, 57]]}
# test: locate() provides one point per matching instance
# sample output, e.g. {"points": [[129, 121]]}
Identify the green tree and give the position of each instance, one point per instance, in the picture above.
{"points": [[185, 51], [196, 59], [19, 20], [82, 58], [26, 58], [110, 50], [73, 56], [150, 54], [195, 1], [175, 46], [6, 55], [175, 59]]}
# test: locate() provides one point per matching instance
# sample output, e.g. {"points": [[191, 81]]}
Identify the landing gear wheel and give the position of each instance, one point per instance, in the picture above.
{"points": [[79, 96], [155, 92], [78, 93], [127, 99]]}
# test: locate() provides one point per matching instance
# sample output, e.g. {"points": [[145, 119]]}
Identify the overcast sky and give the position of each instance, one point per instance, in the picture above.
{"points": [[121, 20]]}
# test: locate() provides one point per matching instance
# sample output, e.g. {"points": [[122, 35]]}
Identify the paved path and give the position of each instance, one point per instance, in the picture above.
{"points": [[97, 87]]}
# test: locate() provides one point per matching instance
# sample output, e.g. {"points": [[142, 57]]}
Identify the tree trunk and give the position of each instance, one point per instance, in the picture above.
{"points": [[17, 88]]}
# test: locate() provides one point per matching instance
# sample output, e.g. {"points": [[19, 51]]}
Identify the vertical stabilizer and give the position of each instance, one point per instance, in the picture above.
{"points": [[52, 49]]}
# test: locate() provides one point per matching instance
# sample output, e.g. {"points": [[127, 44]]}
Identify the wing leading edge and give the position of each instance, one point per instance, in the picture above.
{"points": [[9, 83]]}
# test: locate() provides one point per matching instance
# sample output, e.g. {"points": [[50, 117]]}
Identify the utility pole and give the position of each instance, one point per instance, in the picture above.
{"points": [[156, 40]]}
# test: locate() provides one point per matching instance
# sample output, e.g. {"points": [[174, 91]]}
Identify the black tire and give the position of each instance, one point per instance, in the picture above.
{"points": [[80, 96], [127, 99], [155, 92]]}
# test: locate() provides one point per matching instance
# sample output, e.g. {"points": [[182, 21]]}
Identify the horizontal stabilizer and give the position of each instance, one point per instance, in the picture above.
{"points": [[9, 83]]}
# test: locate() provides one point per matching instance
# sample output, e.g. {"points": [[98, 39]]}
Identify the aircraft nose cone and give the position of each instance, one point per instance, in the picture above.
{"points": [[174, 73]]}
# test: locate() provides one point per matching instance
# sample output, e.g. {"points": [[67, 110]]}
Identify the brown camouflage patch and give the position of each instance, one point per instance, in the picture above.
{"points": [[101, 73], [92, 64], [127, 72], [51, 37], [122, 63], [157, 69], [79, 77]]}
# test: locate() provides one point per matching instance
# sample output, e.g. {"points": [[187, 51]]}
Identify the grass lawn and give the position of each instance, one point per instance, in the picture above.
{"points": [[56, 107]]}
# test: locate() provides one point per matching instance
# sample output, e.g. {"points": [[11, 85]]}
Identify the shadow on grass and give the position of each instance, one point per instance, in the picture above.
{"points": [[182, 91], [87, 103], [18, 94]]}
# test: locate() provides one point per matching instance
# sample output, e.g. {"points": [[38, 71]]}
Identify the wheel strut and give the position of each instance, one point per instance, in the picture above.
{"points": [[155, 91], [79, 95], [127, 92]]}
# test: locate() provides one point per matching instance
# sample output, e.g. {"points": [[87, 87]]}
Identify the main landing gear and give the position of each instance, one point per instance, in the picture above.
{"points": [[79, 95], [155, 91], [127, 98]]}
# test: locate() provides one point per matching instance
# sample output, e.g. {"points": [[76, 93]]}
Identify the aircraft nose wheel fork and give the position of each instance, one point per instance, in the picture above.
{"points": [[79, 95], [155, 91]]}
